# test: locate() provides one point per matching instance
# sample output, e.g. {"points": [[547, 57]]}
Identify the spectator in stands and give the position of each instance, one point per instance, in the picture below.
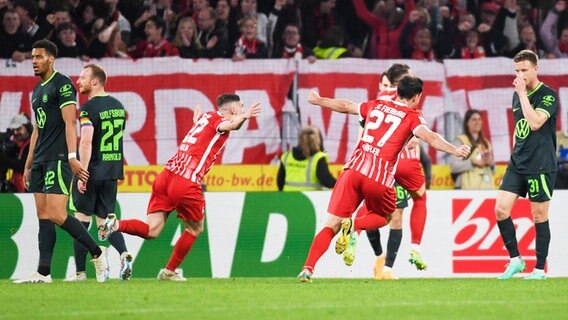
{"points": [[454, 34], [528, 41], [492, 39], [155, 44], [508, 24], [305, 167], [282, 14], [139, 25], [14, 43], [249, 9], [249, 46], [476, 171], [332, 46], [473, 49], [85, 25], [164, 11], [14, 148], [123, 25], [28, 10], [317, 18], [68, 44], [556, 46], [223, 11], [387, 25], [562, 159], [421, 49], [108, 43], [198, 5], [186, 39], [212, 38], [292, 47]]}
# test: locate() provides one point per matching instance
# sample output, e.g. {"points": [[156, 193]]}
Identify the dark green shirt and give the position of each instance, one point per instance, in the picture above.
{"points": [[48, 98], [535, 151], [107, 116]]}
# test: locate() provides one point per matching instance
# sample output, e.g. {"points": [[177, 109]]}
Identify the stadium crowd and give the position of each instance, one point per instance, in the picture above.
{"points": [[258, 29]]}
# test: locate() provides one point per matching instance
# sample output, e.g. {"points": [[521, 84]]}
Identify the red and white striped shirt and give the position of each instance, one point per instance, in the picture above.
{"points": [[199, 149], [388, 126], [411, 154]]}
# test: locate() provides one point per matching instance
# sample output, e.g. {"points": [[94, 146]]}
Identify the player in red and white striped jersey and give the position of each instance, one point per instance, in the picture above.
{"points": [[410, 176], [178, 186], [369, 174]]}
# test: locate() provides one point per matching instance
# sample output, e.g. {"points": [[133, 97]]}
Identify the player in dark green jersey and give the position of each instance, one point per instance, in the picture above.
{"points": [[52, 161], [532, 167], [102, 124]]}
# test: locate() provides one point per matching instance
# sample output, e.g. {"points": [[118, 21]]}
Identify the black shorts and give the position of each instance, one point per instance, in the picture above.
{"points": [[401, 196], [539, 187], [99, 199], [50, 177]]}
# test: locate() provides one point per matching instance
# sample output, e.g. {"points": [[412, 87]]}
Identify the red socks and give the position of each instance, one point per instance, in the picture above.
{"points": [[370, 221], [134, 227], [418, 219], [319, 247], [181, 249]]}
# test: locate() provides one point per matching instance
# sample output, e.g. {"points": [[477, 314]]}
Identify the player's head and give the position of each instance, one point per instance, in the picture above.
{"points": [[43, 57], [410, 88], [230, 103], [385, 83], [310, 141], [396, 72], [91, 77], [526, 66]]}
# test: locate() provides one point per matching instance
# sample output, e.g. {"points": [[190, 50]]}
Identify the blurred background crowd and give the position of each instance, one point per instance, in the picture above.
{"points": [[313, 29]]}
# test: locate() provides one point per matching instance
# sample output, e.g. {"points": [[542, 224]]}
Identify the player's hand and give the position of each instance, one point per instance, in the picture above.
{"points": [[26, 178], [197, 113], [253, 111], [412, 143], [462, 151], [81, 186], [78, 169], [314, 97], [520, 85]]}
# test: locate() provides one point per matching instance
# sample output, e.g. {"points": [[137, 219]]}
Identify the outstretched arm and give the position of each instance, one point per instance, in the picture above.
{"points": [[237, 121], [439, 143], [339, 105]]}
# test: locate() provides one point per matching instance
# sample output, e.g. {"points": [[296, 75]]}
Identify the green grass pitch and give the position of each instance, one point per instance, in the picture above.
{"points": [[286, 298]]}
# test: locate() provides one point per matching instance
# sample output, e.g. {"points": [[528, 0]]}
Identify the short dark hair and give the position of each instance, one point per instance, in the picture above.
{"points": [[396, 72], [227, 98], [49, 46], [526, 55], [30, 6], [159, 22], [98, 72], [409, 86]]}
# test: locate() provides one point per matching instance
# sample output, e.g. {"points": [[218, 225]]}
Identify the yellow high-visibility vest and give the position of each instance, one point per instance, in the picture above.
{"points": [[331, 53], [301, 174]]}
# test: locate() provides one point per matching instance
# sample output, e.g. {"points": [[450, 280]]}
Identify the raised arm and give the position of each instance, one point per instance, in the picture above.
{"points": [[339, 105], [439, 143], [365, 15], [535, 117], [237, 120]]}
